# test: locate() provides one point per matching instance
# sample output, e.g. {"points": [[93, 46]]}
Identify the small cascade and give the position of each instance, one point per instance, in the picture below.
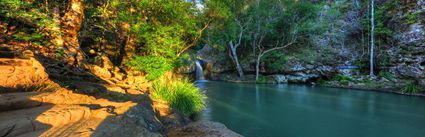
{"points": [[372, 33], [199, 70]]}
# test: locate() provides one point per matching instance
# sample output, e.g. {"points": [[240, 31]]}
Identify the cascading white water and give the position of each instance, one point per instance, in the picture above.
{"points": [[372, 33], [199, 71]]}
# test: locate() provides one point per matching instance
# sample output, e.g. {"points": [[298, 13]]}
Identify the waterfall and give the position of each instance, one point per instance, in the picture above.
{"points": [[199, 71], [372, 31]]}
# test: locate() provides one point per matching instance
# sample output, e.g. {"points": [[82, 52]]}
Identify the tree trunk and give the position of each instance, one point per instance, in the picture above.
{"points": [[71, 24], [236, 60], [55, 30]]}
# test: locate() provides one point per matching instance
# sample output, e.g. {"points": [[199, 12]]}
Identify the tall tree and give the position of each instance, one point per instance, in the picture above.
{"points": [[71, 24], [228, 26], [233, 46]]}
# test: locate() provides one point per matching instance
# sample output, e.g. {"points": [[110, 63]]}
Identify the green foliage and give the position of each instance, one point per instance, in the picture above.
{"points": [[262, 79], [275, 61], [302, 15], [386, 74], [31, 13], [321, 82], [411, 88], [154, 66], [412, 18], [362, 63], [342, 79], [165, 28], [181, 95], [383, 13], [59, 53], [36, 38]]}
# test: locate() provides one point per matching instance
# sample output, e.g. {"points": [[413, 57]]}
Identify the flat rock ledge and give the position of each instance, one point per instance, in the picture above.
{"points": [[203, 129]]}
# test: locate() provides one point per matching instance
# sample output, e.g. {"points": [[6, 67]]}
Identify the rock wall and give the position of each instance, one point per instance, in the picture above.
{"points": [[408, 60]]}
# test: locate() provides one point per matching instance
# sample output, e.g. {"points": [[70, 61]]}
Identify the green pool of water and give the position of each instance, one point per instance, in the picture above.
{"points": [[303, 111]]}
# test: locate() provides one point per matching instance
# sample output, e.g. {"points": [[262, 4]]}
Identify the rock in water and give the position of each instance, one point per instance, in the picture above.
{"points": [[203, 129]]}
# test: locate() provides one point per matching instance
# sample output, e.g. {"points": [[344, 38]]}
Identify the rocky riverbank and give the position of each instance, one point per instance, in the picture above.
{"points": [[40, 96]]}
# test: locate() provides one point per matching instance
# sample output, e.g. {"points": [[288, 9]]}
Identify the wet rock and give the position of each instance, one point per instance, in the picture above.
{"points": [[280, 79], [203, 129]]}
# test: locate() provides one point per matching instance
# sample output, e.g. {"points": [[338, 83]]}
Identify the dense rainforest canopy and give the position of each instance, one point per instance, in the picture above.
{"points": [[260, 37]]}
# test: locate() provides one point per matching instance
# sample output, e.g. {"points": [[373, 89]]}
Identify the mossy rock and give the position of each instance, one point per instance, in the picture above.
{"points": [[266, 80]]}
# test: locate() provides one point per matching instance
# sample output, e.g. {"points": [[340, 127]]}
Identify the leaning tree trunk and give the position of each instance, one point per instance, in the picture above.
{"points": [[71, 24], [234, 56]]}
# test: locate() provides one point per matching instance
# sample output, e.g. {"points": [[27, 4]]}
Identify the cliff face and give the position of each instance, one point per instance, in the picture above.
{"points": [[408, 53]]}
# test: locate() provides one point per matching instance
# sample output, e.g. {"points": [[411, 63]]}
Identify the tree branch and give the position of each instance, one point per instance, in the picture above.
{"points": [[240, 33], [195, 40]]}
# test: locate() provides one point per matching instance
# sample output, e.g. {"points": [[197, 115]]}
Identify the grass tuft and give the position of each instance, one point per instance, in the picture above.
{"points": [[410, 88], [182, 95]]}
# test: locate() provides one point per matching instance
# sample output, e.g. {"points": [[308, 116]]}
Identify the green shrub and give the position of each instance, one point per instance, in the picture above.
{"points": [[261, 79], [410, 88], [386, 75], [342, 78], [182, 95], [275, 61], [412, 18], [154, 66], [321, 81]]}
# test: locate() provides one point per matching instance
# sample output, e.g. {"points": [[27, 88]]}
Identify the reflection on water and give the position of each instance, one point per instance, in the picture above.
{"points": [[303, 111]]}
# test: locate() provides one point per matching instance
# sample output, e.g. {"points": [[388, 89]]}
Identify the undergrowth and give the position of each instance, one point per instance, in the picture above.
{"points": [[411, 88]]}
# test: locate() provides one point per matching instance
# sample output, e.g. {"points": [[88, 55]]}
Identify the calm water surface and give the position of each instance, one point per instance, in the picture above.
{"points": [[303, 111]]}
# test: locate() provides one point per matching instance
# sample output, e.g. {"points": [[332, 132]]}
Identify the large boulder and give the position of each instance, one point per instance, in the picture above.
{"points": [[203, 129], [20, 72]]}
